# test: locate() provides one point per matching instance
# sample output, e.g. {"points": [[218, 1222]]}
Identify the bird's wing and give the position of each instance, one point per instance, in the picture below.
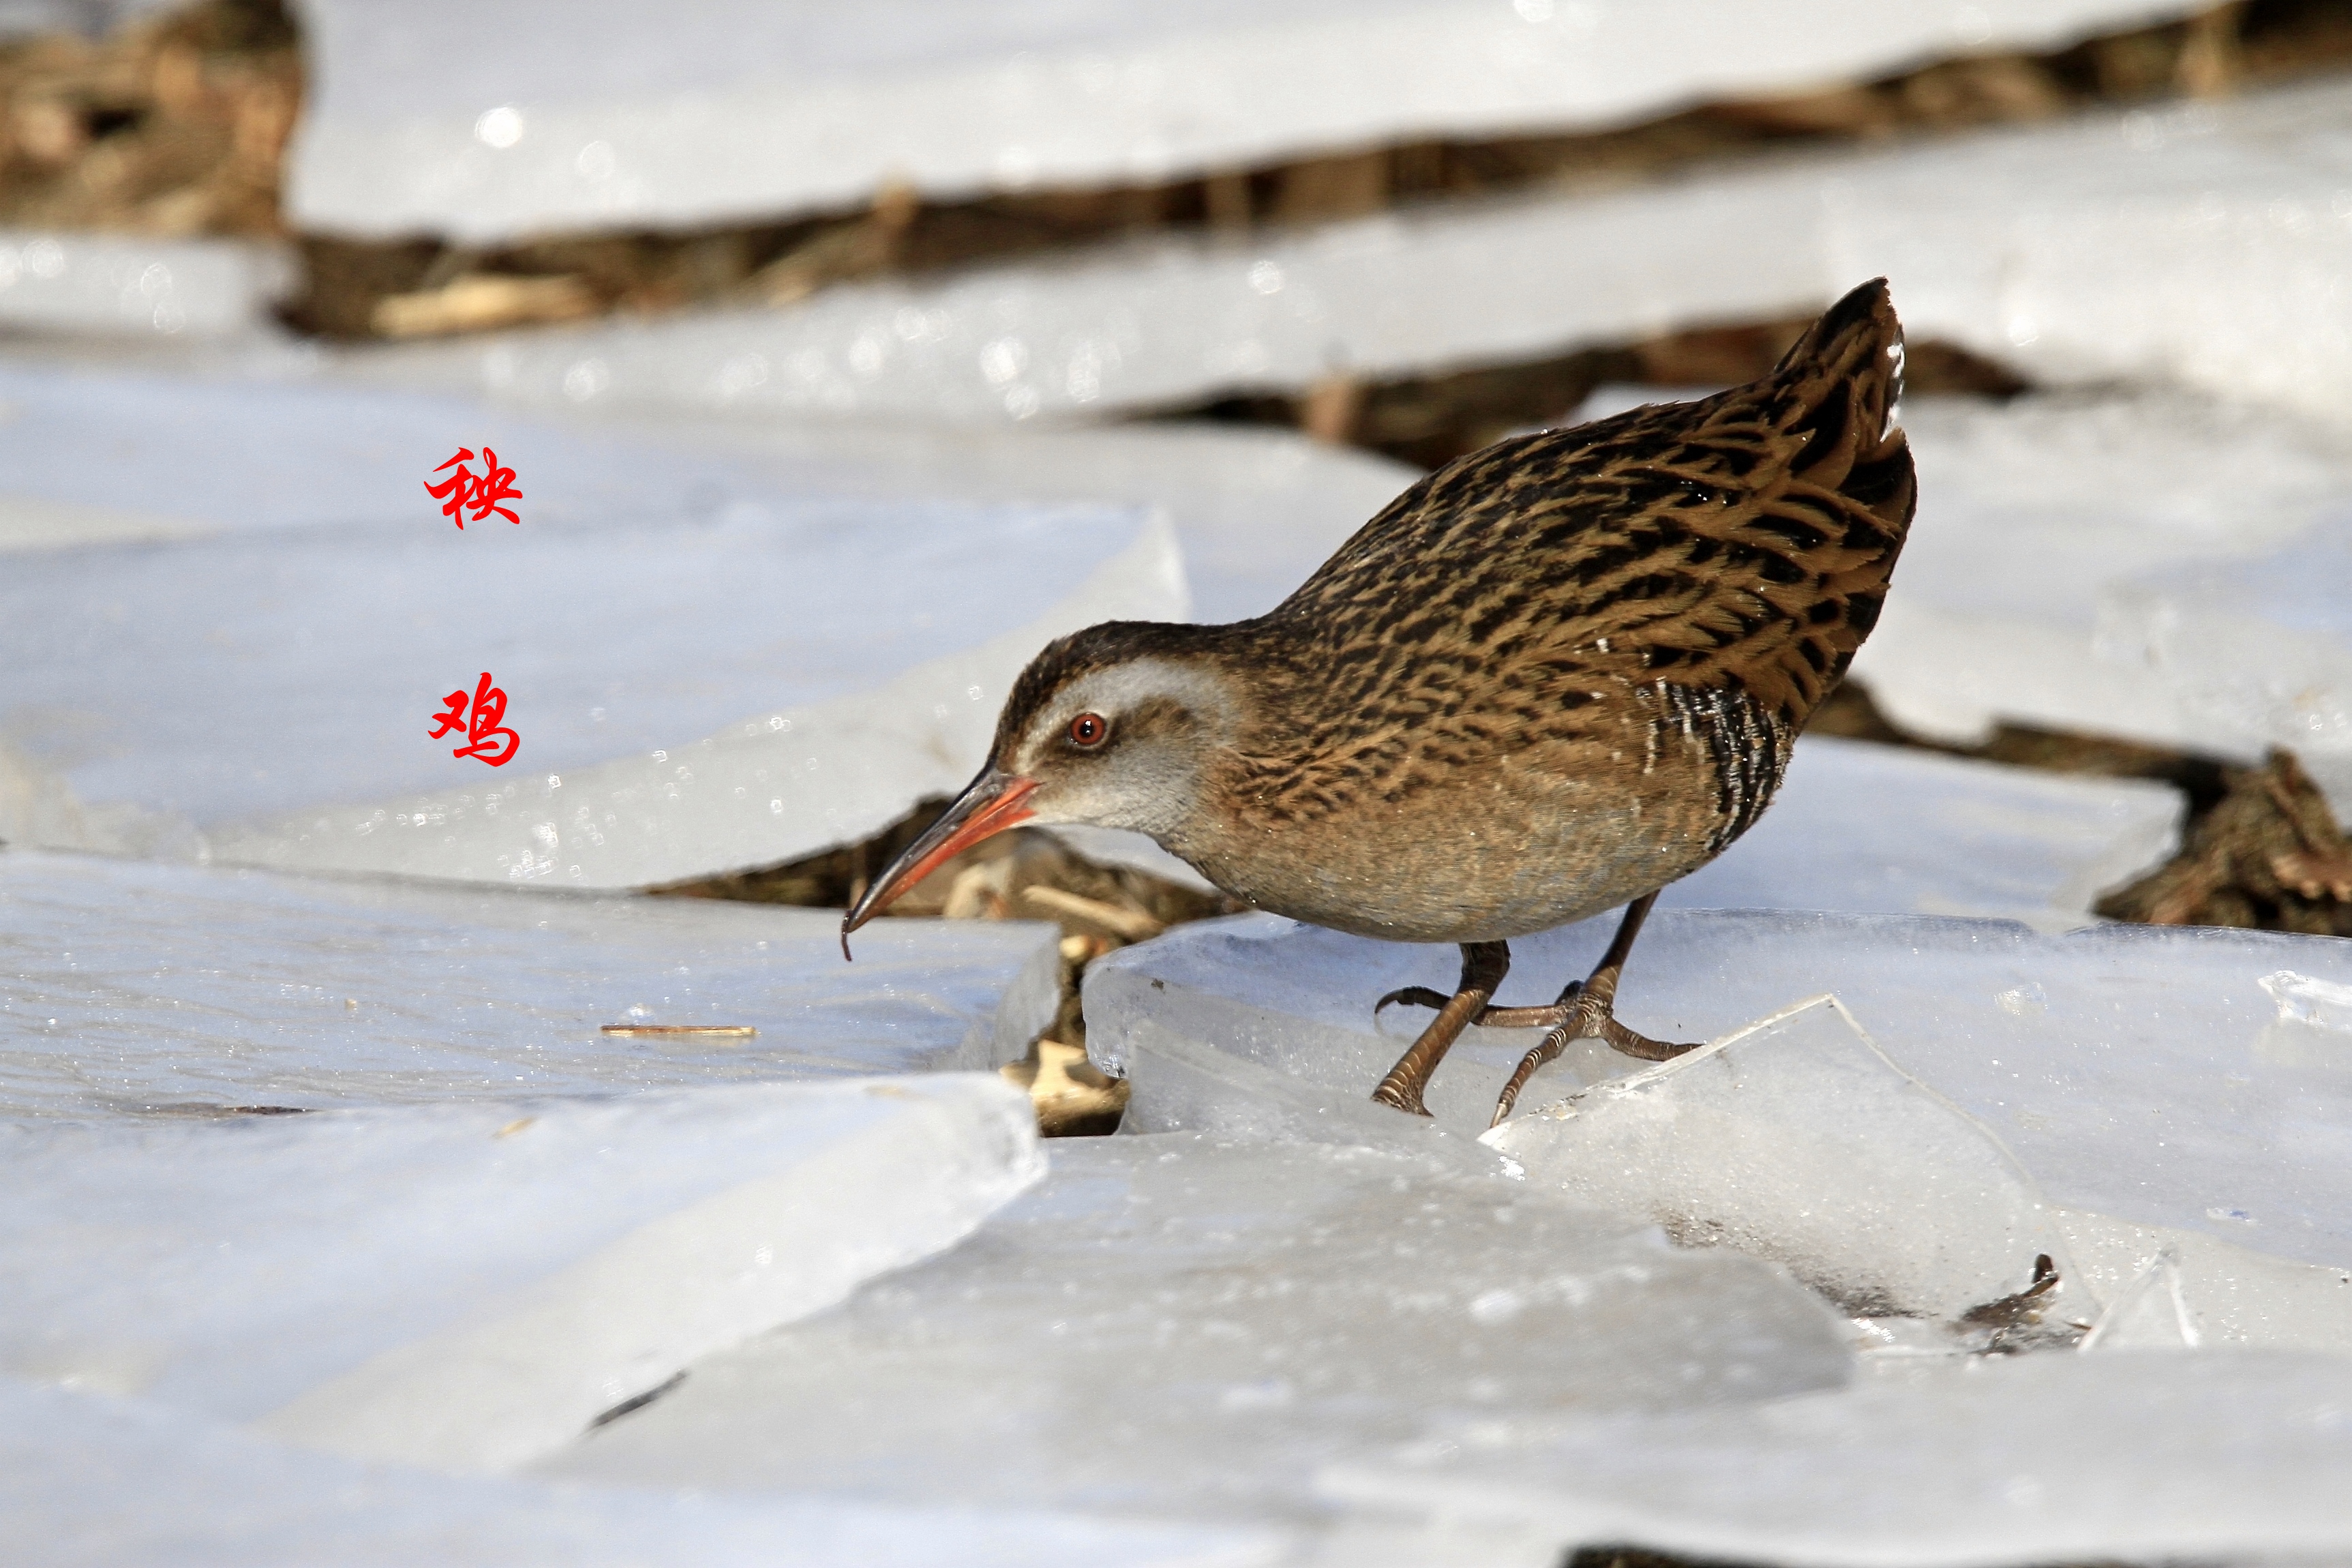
{"points": [[1740, 544]]}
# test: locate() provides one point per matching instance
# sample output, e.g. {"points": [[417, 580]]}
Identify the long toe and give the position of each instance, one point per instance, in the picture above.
{"points": [[1621, 1038], [1417, 996]]}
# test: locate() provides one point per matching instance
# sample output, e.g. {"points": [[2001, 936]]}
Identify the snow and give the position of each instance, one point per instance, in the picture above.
{"points": [[2196, 245], [67, 282], [469, 1286], [605, 117], [1170, 1327], [131, 991]]}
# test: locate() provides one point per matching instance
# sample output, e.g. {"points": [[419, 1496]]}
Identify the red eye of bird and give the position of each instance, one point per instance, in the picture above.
{"points": [[1088, 730]]}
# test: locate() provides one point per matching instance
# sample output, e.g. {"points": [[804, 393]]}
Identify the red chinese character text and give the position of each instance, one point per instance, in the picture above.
{"points": [[482, 730], [463, 491]]}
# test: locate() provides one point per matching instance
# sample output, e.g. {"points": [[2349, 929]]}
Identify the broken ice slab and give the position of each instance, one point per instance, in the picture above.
{"points": [[2256, 652], [273, 696], [1972, 838], [2123, 1066], [105, 284], [102, 455], [467, 1287], [2127, 1456], [1166, 1327], [2099, 492], [2112, 247], [1256, 509], [136, 990], [596, 117], [1796, 1140], [86, 1481]]}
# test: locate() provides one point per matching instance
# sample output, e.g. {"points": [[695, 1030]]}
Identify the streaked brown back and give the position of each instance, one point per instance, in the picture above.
{"points": [[1742, 543]]}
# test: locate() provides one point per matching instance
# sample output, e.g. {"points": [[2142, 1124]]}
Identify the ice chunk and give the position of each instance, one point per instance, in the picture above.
{"points": [[132, 990], [2257, 653], [2111, 498], [106, 284], [2123, 1066], [1798, 1141], [2163, 1285], [2150, 1313], [469, 1286], [1972, 839], [277, 692], [2119, 1457], [2194, 244], [86, 1480], [1167, 1327], [600, 116]]}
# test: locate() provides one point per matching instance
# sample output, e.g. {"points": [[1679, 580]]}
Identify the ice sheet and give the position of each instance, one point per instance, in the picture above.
{"points": [[467, 1287], [132, 990], [1169, 1328], [2257, 653], [90, 1483], [1969, 838], [2132, 511], [2196, 245], [603, 118], [1797, 1140], [2118, 1458], [112, 457], [2133, 1071], [115, 284], [275, 691]]}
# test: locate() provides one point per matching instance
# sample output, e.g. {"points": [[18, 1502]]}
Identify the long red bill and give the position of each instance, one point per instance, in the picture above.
{"points": [[991, 803]]}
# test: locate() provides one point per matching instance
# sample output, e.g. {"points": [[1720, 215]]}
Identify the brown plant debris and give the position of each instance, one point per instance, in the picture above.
{"points": [[174, 126], [1025, 874], [1849, 713], [2268, 854]]}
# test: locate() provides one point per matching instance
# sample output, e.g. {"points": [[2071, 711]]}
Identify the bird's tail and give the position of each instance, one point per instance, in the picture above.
{"points": [[1841, 385]]}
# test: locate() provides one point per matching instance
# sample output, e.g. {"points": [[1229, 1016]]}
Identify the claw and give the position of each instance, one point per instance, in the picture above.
{"points": [[1419, 996]]}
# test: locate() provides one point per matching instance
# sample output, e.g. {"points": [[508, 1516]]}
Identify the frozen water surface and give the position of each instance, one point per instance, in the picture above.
{"points": [[111, 284], [2135, 1072], [2257, 653], [1897, 1204], [598, 117], [274, 690], [135, 989], [2125, 1456], [1171, 1328], [1970, 838], [469, 1286], [2184, 553], [92, 1482], [2196, 245]]}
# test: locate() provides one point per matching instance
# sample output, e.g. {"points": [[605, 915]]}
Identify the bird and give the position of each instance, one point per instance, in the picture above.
{"points": [[1548, 680]]}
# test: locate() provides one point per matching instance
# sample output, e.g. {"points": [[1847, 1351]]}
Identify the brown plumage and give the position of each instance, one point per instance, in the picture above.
{"points": [[1546, 680]]}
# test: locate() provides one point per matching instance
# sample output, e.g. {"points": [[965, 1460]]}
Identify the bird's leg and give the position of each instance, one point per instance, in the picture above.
{"points": [[1587, 1006], [1484, 964]]}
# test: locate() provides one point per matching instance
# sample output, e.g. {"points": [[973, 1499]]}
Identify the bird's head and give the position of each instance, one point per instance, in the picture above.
{"points": [[1111, 727]]}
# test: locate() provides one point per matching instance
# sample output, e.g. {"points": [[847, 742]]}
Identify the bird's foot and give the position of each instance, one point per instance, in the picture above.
{"points": [[1543, 1017], [1483, 963], [1587, 1015]]}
